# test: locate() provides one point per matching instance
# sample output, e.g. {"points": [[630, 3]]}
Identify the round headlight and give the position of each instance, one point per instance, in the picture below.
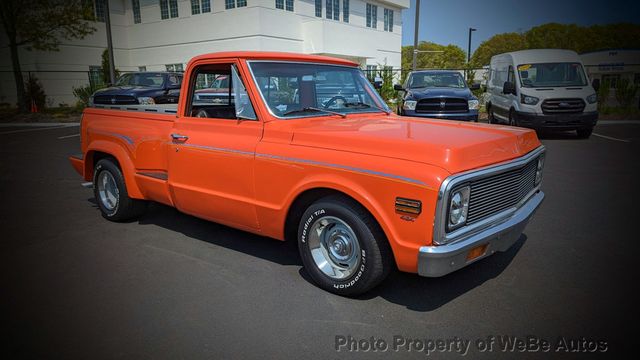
{"points": [[539, 168], [458, 208]]}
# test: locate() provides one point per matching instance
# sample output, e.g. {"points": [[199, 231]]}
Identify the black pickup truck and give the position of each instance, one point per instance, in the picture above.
{"points": [[141, 88], [438, 94]]}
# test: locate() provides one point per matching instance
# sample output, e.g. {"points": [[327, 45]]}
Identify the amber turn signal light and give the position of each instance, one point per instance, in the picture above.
{"points": [[408, 206], [476, 252]]}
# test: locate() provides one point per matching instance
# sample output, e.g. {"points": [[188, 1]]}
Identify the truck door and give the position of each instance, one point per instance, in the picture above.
{"points": [[211, 157]]}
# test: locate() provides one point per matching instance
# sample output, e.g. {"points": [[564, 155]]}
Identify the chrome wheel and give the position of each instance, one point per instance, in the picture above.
{"points": [[334, 247], [108, 191]]}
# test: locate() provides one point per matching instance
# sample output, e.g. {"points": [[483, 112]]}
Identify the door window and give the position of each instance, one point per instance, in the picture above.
{"points": [[218, 92]]}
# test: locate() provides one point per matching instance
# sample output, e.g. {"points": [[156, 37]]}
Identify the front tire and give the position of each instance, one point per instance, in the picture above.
{"points": [[512, 118], [584, 133], [490, 116], [342, 247], [111, 193]]}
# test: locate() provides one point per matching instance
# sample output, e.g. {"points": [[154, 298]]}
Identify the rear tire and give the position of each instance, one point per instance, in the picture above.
{"points": [[584, 133], [342, 247], [111, 193], [490, 116]]}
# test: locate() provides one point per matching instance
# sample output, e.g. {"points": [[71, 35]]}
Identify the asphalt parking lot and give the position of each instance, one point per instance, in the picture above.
{"points": [[172, 286]]}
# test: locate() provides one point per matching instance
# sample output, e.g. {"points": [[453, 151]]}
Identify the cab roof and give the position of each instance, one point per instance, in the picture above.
{"points": [[272, 55]]}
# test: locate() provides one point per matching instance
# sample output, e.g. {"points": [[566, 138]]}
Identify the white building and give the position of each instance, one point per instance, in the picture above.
{"points": [[165, 34]]}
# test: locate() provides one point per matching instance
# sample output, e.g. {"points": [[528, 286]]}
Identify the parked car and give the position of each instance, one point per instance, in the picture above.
{"points": [[438, 94], [141, 88], [544, 89], [360, 189]]}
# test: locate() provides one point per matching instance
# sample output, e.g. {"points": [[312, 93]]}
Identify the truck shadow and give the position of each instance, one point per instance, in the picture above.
{"points": [[427, 294], [408, 290], [276, 251]]}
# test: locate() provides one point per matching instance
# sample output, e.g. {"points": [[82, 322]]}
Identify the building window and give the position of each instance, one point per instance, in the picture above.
{"points": [[168, 8], [175, 67], [135, 5], [95, 76], [372, 16], [142, 68], [198, 6], [388, 20], [100, 10], [284, 5], [94, 10], [333, 9], [195, 7], [173, 8], [345, 10], [319, 8], [230, 4]]}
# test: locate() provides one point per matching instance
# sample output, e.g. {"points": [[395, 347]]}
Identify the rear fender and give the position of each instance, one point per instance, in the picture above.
{"points": [[124, 160]]}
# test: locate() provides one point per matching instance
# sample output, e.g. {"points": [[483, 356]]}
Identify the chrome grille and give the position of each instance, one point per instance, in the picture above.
{"points": [[500, 192]]}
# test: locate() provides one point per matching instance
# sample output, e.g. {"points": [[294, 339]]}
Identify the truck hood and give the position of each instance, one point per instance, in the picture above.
{"points": [[451, 145], [423, 93]]}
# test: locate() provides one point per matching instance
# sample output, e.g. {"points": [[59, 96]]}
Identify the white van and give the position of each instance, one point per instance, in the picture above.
{"points": [[542, 89]]}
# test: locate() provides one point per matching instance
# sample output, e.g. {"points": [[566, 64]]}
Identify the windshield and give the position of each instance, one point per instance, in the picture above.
{"points": [[439, 80], [551, 75], [297, 89], [141, 79]]}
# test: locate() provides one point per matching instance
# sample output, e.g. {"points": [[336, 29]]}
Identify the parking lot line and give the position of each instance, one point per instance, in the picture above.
{"points": [[68, 136], [610, 138], [36, 129]]}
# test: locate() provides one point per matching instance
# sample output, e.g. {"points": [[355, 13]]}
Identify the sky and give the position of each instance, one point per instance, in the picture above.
{"points": [[447, 22]]}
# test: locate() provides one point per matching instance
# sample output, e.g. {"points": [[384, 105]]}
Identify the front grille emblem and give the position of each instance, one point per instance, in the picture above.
{"points": [[113, 100], [442, 104]]}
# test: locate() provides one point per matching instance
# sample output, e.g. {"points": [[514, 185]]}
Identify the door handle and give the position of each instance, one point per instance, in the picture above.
{"points": [[180, 138]]}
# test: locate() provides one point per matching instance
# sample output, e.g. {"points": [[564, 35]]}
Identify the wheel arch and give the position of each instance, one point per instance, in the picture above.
{"points": [[100, 149], [310, 194]]}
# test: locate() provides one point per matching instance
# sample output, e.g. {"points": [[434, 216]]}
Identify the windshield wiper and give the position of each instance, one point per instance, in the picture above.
{"points": [[309, 108], [363, 105]]}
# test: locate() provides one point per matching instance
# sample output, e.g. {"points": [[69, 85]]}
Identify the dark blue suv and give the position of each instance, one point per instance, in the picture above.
{"points": [[438, 94]]}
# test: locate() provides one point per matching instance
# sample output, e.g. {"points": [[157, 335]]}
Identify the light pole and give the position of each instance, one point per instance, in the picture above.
{"points": [[415, 35], [469, 51], [107, 20]]}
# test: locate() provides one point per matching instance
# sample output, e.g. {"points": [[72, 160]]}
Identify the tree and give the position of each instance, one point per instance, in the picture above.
{"points": [[452, 56], [560, 36], [497, 44], [106, 77], [41, 25]]}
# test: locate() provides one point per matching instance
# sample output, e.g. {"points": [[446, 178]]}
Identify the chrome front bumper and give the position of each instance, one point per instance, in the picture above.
{"points": [[435, 261]]}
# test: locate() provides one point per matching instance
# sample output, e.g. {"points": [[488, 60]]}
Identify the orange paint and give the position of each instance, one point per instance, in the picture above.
{"points": [[246, 174]]}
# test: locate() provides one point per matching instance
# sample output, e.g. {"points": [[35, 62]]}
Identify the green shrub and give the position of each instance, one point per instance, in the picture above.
{"points": [[83, 94], [625, 93], [35, 93]]}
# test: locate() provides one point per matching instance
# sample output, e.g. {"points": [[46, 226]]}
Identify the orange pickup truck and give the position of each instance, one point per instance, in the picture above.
{"points": [[304, 149]]}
